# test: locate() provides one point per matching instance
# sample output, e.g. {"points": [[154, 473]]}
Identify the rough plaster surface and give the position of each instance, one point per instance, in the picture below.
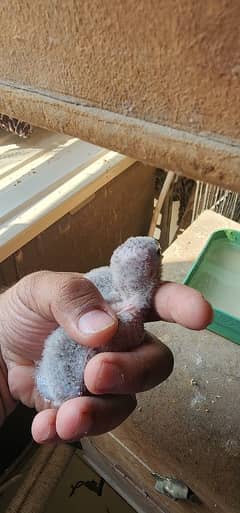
{"points": [[174, 63], [197, 156]]}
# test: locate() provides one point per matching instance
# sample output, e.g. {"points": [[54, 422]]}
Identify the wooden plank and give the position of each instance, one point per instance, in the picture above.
{"points": [[162, 196], [166, 220], [201, 157], [115, 475], [179, 429], [86, 239], [46, 470], [60, 178], [15, 153], [24, 184]]}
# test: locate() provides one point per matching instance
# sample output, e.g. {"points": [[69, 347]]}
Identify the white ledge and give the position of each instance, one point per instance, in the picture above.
{"points": [[45, 177]]}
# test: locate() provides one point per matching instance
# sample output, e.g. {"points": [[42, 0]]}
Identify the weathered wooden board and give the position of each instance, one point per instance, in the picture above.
{"points": [[188, 427], [156, 80], [85, 237], [44, 178]]}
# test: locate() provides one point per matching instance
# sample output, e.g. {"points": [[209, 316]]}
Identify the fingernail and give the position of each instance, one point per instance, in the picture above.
{"points": [[95, 321], [109, 379], [47, 434], [85, 423]]}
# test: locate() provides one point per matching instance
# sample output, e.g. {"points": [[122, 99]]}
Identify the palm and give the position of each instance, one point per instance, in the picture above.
{"points": [[20, 357]]}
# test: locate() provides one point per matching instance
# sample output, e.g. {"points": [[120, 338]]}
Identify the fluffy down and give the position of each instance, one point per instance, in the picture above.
{"points": [[128, 285]]}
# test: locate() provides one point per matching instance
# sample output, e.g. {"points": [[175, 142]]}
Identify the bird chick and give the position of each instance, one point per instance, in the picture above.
{"points": [[128, 285]]}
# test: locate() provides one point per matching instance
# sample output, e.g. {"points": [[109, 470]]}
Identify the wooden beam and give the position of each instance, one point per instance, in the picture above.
{"points": [[200, 157]]}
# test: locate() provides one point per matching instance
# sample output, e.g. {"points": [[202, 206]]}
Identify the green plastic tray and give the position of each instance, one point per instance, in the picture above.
{"points": [[216, 274]]}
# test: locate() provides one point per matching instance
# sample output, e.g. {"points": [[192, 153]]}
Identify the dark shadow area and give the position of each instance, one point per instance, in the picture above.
{"points": [[15, 435]]}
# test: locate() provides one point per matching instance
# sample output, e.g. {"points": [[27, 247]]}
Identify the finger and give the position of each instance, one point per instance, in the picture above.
{"points": [[44, 427], [131, 372], [72, 301], [181, 304], [90, 416], [22, 387]]}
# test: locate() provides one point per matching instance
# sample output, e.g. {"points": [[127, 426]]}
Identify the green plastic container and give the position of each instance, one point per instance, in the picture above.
{"points": [[216, 274]]}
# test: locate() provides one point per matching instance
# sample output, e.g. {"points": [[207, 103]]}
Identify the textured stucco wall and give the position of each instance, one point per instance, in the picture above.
{"points": [[171, 62]]}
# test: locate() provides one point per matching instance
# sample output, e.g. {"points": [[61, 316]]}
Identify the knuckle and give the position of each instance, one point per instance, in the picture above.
{"points": [[28, 285], [76, 291], [72, 287]]}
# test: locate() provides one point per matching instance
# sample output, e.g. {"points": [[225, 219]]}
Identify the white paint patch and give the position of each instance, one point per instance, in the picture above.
{"points": [[199, 360], [197, 399]]}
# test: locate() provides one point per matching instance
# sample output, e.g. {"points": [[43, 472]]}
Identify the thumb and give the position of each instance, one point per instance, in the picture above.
{"points": [[73, 302]]}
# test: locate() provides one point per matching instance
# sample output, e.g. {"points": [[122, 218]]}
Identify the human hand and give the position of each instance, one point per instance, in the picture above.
{"points": [[37, 304]]}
